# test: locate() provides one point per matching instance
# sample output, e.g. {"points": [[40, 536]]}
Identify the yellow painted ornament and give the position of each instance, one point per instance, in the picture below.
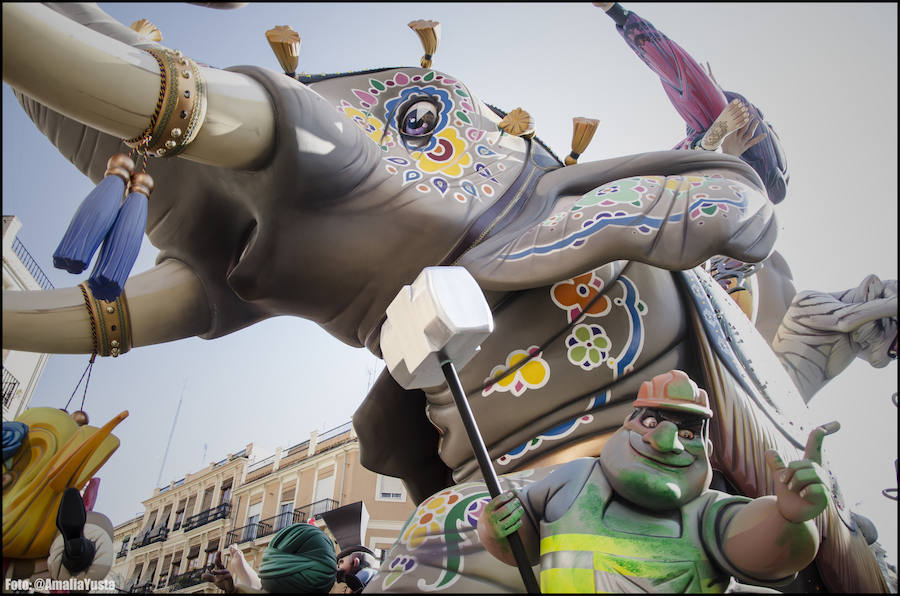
{"points": [[56, 454]]}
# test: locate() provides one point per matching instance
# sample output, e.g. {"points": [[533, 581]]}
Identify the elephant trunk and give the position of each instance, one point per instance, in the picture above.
{"points": [[164, 304]]}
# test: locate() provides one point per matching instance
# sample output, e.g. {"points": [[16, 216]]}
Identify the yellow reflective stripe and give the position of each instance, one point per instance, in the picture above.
{"points": [[632, 545], [567, 581]]}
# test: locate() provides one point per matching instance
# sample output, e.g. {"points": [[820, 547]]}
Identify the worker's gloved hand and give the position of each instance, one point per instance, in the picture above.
{"points": [[503, 514]]}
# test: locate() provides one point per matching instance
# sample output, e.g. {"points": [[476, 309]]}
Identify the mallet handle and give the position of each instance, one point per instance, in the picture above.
{"points": [[487, 469]]}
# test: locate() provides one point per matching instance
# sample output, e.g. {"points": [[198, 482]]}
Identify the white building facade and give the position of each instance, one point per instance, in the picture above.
{"points": [[21, 370]]}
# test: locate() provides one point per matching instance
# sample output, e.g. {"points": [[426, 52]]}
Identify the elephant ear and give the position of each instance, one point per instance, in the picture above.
{"points": [[389, 410], [669, 209]]}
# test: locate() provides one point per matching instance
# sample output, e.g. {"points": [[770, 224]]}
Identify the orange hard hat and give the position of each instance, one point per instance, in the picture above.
{"points": [[673, 390]]}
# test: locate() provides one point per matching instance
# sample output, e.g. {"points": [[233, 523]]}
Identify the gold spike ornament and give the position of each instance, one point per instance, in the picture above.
{"points": [[285, 42], [582, 133], [429, 33], [518, 122], [147, 29]]}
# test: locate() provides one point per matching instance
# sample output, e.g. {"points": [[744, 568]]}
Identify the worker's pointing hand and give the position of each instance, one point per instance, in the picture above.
{"points": [[800, 490]]}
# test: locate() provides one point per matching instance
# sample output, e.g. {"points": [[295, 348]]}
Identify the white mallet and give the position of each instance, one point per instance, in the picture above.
{"points": [[438, 320]]}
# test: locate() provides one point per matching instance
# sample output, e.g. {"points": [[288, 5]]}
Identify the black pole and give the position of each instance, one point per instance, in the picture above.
{"points": [[487, 470]]}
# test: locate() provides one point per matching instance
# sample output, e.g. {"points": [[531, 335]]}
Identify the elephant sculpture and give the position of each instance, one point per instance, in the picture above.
{"points": [[297, 191]]}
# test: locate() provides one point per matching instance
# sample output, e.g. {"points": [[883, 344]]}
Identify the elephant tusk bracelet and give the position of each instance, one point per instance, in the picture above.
{"points": [[110, 323], [180, 109]]}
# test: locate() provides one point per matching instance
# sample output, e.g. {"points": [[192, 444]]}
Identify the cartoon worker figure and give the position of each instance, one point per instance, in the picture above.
{"points": [[642, 518]]}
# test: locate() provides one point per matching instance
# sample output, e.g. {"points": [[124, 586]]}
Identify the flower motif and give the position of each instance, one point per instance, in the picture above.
{"points": [[532, 375], [371, 125], [474, 509], [427, 520], [707, 208], [398, 566], [630, 190], [449, 155], [588, 346], [574, 295], [682, 183]]}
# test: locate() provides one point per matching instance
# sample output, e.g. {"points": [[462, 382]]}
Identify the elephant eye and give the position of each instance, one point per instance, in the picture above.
{"points": [[419, 119], [649, 422], [686, 434]]}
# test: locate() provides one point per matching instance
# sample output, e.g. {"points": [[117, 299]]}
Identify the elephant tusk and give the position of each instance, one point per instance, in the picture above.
{"points": [[165, 303], [113, 87]]}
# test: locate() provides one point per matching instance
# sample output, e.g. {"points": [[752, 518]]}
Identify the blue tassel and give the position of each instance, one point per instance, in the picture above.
{"points": [[120, 250], [94, 217]]}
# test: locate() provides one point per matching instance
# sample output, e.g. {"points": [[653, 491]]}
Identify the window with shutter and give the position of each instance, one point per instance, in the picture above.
{"points": [[389, 488], [226, 493], [211, 548], [151, 571], [193, 557], [164, 570], [136, 574]]}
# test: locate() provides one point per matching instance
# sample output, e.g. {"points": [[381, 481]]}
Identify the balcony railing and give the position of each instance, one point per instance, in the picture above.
{"points": [[158, 535], [187, 579], [122, 552], [337, 430], [204, 517], [317, 508], [10, 383], [144, 588], [264, 527], [33, 268]]}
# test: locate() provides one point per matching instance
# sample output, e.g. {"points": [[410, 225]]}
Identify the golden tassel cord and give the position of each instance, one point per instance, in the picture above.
{"points": [[518, 122], [285, 42], [429, 33], [582, 132]]}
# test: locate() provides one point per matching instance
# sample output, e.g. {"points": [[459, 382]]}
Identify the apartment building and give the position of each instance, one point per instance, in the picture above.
{"points": [[183, 525], [245, 499], [21, 370]]}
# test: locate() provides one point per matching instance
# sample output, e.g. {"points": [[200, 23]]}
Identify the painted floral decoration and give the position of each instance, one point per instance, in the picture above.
{"points": [[372, 126], [397, 567], [474, 509], [449, 155], [533, 375], [428, 518], [588, 346], [574, 295]]}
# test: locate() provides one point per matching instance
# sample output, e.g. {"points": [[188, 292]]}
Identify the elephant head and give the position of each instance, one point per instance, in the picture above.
{"points": [[297, 192]]}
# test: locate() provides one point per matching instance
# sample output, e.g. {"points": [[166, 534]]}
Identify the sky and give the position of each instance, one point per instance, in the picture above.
{"points": [[824, 74]]}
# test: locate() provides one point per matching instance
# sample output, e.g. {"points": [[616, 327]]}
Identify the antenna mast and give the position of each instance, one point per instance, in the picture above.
{"points": [[171, 433]]}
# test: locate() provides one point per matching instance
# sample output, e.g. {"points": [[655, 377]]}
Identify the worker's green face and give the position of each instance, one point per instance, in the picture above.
{"points": [[659, 459]]}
